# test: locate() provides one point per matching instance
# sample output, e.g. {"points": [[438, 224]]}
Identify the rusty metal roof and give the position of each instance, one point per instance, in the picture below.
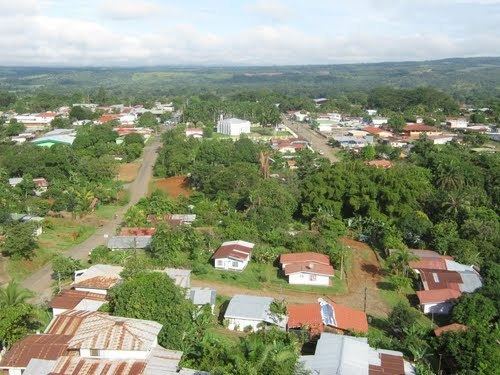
{"points": [[44, 346], [90, 366], [69, 299]]}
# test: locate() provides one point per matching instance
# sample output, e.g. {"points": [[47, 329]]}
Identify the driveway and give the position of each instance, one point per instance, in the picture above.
{"points": [[40, 282]]}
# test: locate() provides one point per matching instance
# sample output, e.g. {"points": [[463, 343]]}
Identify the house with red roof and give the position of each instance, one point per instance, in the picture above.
{"points": [[443, 280], [415, 130], [377, 131], [307, 268], [325, 316], [233, 255]]}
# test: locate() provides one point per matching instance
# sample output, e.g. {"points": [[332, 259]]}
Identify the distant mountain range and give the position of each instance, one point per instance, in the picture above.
{"points": [[464, 78]]}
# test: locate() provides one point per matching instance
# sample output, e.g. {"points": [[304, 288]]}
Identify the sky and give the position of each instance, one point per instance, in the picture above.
{"points": [[238, 32]]}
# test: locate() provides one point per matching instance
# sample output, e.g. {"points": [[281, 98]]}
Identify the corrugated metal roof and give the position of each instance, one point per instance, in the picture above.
{"points": [[181, 277], [70, 299], [101, 331], [90, 366], [44, 346], [39, 367], [129, 242], [202, 296], [244, 306]]}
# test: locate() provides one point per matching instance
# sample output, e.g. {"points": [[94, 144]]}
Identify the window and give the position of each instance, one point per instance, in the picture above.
{"points": [[219, 263], [312, 277], [235, 264], [95, 352]]}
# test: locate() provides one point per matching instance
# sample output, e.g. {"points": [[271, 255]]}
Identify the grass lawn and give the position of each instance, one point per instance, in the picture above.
{"points": [[256, 276], [58, 235], [106, 212]]}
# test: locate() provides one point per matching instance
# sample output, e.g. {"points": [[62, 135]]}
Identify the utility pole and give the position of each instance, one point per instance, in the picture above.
{"points": [[366, 289]]}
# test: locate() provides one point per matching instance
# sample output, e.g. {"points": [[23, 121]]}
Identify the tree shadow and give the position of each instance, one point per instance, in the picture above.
{"points": [[371, 269], [379, 323], [384, 285], [222, 311]]}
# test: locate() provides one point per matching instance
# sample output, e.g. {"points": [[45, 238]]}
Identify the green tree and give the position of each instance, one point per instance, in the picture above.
{"points": [[14, 128], [402, 316], [19, 241], [60, 123], [475, 309], [16, 322], [368, 152], [13, 294], [148, 120], [153, 296], [397, 123], [64, 267]]}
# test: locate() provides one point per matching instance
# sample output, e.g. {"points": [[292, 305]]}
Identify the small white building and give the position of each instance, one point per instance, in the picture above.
{"points": [[244, 311], [203, 296], [233, 255], [457, 122], [379, 120], [301, 116], [233, 126], [371, 112]]}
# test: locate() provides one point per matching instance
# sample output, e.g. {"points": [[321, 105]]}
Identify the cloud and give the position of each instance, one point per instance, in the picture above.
{"points": [[273, 9], [129, 10]]}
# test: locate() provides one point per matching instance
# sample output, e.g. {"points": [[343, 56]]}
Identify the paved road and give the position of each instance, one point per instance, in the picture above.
{"points": [[317, 142], [40, 282]]}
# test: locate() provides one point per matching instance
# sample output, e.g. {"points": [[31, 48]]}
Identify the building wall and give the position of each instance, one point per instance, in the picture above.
{"points": [[12, 370], [225, 127], [437, 308], [228, 264], [304, 278], [240, 324], [56, 312]]}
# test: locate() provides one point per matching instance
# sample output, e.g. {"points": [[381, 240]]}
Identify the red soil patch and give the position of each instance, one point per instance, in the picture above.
{"points": [[174, 186]]}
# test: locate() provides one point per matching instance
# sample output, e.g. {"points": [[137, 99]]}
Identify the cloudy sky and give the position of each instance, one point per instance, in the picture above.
{"points": [[238, 32]]}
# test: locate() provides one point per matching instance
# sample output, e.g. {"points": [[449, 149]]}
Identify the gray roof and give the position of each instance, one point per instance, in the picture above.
{"points": [[180, 276], [39, 367], [471, 281], [25, 218], [243, 306], [340, 354], [188, 218], [58, 138], [162, 361], [129, 242], [15, 181], [60, 132], [202, 296]]}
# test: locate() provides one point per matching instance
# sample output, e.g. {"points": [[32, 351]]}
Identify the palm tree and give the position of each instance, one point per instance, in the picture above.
{"points": [[13, 295], [399, 261]]}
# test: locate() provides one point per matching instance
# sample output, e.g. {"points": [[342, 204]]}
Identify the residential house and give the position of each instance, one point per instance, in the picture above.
{"points": [[301, 116], [98, 278], [320, 101], [377, 120], [35, 220], [82, 342], [415, 130], [325, 125], [76, 300], [377, 132], [371, 112], [350, 142], [116, 243], [443, 281], [203, 296], [36, 121], [194, 132], [307, 315], [137, 231], [244, 311], [341, 354], [41, 184], [289, 146], [45, 347], [233, 255], [441, 139], [307, 268], [457, 122], [233, 126], [173, 220]]}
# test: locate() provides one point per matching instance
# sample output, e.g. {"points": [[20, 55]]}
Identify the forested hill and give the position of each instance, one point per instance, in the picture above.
{"points": [[469, 79]]}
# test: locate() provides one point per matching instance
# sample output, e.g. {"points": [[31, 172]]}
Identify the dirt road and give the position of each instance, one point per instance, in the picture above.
{"points": [[317, 142], [40, 282]]}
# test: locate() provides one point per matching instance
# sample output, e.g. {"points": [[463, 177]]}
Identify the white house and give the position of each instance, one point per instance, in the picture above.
{"points": [[371, 112], [457, 122], [203, 296], [379, 120], [233, 255], [194, 132], [76, 300], [233, 126], [301, 116], [244, 311], [307, 268], [98, 278]]}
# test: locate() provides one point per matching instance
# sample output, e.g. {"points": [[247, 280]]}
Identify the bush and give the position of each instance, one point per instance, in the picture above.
{"points": [[65, 267]]}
